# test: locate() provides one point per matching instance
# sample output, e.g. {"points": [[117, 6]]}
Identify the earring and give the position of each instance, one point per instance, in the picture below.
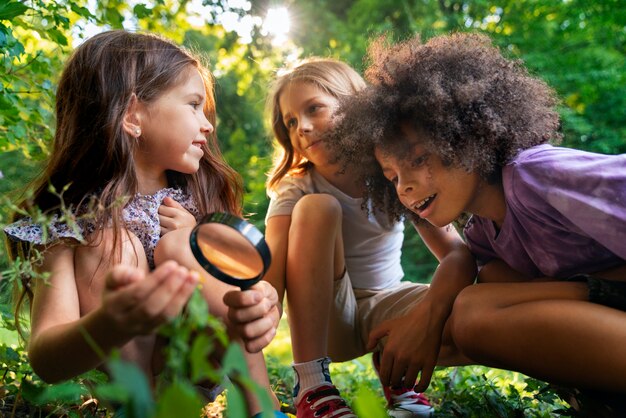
{"points": [[137, 132]]}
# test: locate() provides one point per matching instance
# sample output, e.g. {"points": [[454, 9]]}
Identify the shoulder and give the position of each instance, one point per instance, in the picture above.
{"points": [[296, 183], [546, 167]]}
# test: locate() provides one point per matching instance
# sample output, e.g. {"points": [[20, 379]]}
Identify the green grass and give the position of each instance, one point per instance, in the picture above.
{"points": [[471, 391]]}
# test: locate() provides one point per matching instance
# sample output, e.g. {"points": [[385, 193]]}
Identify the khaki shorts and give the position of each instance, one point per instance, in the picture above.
{"points": [[357, 311]]}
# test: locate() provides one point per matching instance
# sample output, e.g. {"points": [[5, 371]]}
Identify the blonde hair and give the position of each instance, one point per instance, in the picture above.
{"points": [[333, 77]]}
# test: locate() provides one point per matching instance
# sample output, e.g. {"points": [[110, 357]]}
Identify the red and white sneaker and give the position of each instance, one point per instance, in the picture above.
{"points": [[323, 401], [404, 402]]}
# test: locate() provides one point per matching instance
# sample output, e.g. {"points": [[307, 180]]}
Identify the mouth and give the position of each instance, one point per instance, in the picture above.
{"points": [[314, 143], [420, 206], [198, 144]]}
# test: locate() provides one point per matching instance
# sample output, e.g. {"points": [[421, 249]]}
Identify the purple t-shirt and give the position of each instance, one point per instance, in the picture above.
{"points": [[566, 214]]}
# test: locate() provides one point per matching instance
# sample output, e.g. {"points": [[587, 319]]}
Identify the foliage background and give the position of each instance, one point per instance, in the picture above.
{"points": [[577, 46]]}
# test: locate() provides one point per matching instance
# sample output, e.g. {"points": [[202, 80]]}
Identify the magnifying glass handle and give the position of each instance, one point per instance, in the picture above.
{"points": [[245, 285]]}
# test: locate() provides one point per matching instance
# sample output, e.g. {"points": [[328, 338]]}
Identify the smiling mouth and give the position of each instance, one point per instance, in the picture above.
{"points": [[423, 204]]}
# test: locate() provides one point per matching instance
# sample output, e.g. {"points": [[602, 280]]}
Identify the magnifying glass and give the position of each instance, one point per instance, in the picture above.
{"points": [[230, 249]]}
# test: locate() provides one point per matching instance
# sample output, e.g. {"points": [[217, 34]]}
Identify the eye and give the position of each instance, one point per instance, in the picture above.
{"points": [[393, 180], [195, 105], [290, 123], [314, 108], [420, 160]]}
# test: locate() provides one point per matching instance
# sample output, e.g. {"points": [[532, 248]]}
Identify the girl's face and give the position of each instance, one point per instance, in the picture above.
{"points": [[435, 192], [174, 129], [307, 113]]}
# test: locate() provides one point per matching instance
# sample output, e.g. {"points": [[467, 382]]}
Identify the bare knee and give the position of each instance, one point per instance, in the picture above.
{"points": [[470, 320], [174, 246], [314, 210]]}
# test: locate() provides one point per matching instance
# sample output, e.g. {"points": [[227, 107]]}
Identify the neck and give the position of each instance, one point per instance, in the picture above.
{"points": [[489, 203], [149, 183], [344, 181]]}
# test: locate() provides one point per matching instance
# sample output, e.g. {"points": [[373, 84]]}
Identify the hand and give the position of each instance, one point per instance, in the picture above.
{"points": [[172, 215], [408, 350], [254, 314], [137, 303]]}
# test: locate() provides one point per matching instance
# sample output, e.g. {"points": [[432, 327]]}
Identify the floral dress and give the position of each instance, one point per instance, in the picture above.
{"points": [[140, 217]]}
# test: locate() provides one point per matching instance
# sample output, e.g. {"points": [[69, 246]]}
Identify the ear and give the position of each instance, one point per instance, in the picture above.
{"points": [[132, 119]]}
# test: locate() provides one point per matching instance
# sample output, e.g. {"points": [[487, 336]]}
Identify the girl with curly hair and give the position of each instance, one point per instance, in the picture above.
{"points": [[450, 127], [339, 265]]}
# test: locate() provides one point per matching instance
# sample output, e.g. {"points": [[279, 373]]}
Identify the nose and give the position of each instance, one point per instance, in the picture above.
{"points": [[403, 187], [304, 126], [206, 127]]}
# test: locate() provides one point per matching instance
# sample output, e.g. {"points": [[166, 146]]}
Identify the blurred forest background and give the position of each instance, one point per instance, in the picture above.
{"points": [[577, 46]]}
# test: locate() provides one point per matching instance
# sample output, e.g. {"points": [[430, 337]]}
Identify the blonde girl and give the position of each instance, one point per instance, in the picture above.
{"points": [[338, 263]]}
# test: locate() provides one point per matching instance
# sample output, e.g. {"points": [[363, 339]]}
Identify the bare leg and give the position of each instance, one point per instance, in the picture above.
{"points": [[546, 329], [174, 246], [314, 258]]}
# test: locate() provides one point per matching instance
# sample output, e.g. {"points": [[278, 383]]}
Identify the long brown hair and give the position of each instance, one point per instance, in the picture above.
{"points": [[334, 77], [94, 155]]}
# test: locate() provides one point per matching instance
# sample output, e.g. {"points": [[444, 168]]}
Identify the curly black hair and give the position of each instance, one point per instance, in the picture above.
{"points": [[475, 108]]}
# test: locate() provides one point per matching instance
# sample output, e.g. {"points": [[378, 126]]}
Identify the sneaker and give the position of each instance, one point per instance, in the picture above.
{"points": [[404, 402], [323, 401]]}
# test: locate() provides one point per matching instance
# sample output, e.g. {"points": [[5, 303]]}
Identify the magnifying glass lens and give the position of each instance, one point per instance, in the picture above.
{"points": [[230, 249], [226, 249]]}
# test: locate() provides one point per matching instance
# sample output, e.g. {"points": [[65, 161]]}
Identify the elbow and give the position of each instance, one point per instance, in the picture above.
{"points": [[43, 367], [43, 372]]}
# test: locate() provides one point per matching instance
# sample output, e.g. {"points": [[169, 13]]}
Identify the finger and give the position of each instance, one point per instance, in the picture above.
{"points": [[255, 329], [242, 299], [267, 290], [251, 313], [376, 334], [386, 364], [142, 290], [122, 275], [425, 378], [167, 222], [258, 344], [411, 375], [168, 211], [398, 371], [168, 201], [153, 309], [178, 302]]}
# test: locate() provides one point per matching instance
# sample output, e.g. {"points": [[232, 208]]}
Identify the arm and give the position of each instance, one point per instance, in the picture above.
{"points": [[131, 306], [497, 270], [409, 351], [256, 312]]}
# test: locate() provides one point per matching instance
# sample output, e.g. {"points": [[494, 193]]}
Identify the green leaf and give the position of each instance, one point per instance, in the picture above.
{"points": [[82, 11], [68, 392], [201, 368], [133, 380], [57, 36], [367, 404], [236, 402], [234, 362], [179, 400], [11, 9], [142, 11]]}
